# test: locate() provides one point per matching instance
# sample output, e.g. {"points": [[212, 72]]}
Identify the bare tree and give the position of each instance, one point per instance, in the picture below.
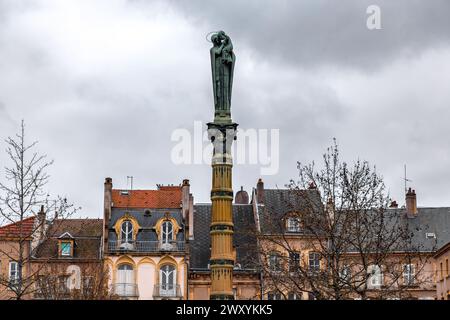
{"points": [[337, 238], [91, 283], [22, 196]]}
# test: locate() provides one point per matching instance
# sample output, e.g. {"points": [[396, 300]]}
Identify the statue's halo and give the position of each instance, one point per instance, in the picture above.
{"points": [[208, 38]]}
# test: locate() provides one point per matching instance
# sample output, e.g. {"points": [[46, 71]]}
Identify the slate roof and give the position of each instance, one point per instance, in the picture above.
{"points": [[146, 222], [279, 202], [244, 239], [164, 197], [430, 220], [13, 229], [87, 234]]}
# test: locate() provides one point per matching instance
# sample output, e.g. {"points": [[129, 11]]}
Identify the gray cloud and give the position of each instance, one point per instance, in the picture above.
{"points": [[314, 33], [103, 84]]}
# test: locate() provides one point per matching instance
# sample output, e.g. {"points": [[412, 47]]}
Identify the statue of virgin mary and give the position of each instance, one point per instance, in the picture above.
{"points": [[222, 66]]}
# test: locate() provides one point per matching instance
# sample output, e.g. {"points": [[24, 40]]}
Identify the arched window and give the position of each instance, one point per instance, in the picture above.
{"points": [[125, 285], [167, 278], [167, 232], [127, 231]]}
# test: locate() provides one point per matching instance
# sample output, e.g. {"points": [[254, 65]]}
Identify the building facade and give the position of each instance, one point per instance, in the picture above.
{"points": [[68, 264], [61, 259], [145, 241], [442, 272], [286, 247], [246, 278], [11, 236]]}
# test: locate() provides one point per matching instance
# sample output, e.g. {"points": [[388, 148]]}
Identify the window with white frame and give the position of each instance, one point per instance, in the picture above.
{"points": [[274, 296], [13, 273], [293, 224], [127, 231], [166, 232], [314, 261], [345, 274], [294, 296], [274, 261], [375, 276], [167, 280], [125, 285], [408, 274]]}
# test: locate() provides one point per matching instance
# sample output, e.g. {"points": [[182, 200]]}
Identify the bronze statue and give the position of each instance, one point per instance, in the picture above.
{"points": [[222, 65]]}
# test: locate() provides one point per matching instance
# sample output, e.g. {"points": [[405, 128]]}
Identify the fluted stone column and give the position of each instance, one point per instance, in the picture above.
{"points": [[222, 227]]}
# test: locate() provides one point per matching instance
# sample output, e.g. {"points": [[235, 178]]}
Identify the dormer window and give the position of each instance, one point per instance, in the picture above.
{"points": [[65, 245], [293, 224], [167, 232], [127, 231]]}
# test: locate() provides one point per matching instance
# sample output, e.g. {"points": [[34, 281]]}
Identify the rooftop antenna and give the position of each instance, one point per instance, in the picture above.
{"points": [[130, 179], [406, 180]]}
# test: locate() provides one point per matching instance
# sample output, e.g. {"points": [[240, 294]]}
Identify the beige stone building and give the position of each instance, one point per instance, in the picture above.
{"points": [[145, 241], [286, 246], [10, 235], [442, 272]]}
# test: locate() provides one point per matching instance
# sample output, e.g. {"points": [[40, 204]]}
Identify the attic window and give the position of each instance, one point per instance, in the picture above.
{"points": [[66, 248], [124, 192], [147, 213], [293, 224], [430, 235]]}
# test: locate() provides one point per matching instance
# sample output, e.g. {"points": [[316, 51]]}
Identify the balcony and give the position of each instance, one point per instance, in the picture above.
{"points": [[167, 291], [145, 246], [125, 290]]}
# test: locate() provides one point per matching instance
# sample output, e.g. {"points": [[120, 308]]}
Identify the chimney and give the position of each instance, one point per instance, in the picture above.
{"points": [[393, 204], [411, 203], [41, 223], [107, 204], [185, 191], [241, 197], [260, 191]]}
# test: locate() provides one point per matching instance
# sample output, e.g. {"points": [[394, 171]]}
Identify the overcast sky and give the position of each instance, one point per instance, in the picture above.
{"points": [[102, 84]]}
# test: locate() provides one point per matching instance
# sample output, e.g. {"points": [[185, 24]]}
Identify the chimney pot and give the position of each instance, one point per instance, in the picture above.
{"points": [[393, 204], [41, 223], [260, 191]]}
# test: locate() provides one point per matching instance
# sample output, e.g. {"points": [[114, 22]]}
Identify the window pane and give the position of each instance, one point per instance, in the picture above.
{"points": [[66, 248], [127, 231], [167, 231], [314, 261], [125, 267]]}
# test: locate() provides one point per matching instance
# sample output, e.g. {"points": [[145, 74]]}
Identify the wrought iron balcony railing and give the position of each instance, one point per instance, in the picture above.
{"points": [[167, 291], [125, 290], [144, 246]]}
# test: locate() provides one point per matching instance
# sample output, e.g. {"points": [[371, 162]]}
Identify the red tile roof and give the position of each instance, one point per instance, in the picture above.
{"points": [[13, 229], [164, 197]]}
